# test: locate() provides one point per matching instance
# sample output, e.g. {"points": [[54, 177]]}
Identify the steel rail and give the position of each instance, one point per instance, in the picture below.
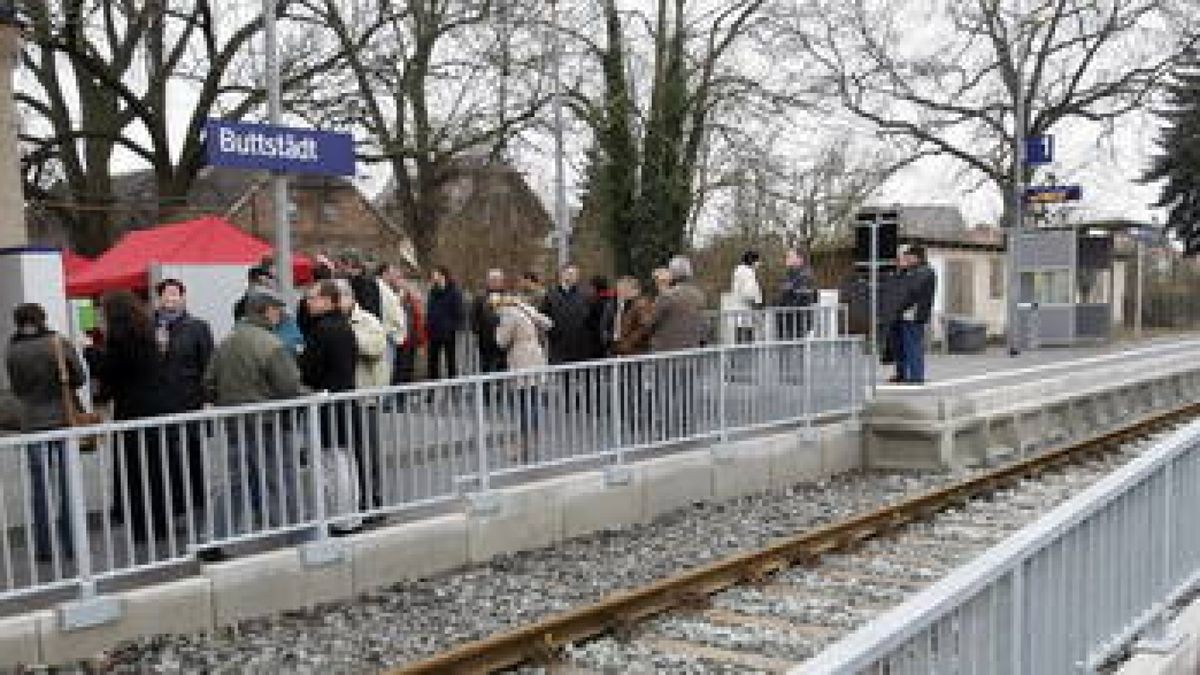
{"points": [[617, 613]]}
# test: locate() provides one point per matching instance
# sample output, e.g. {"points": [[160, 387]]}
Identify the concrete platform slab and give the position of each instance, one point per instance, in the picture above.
{"points": [[795, 458], [520, 518], [409, 551], [841, 448], [19, 642], [741, 468], [592, 503], [1016, 409], [675, 482], [268, 583], [171, 608]]}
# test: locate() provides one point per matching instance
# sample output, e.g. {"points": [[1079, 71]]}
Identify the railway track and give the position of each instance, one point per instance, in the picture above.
{"points": [[770, 609]]}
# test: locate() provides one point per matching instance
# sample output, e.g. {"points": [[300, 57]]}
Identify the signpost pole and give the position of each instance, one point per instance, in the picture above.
{"points": [[1141, 279], [874, 277], [1017, 198], [279, 189]]}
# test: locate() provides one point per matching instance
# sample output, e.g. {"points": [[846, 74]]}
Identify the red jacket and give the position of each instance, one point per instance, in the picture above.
{"points": [[417, 334]]}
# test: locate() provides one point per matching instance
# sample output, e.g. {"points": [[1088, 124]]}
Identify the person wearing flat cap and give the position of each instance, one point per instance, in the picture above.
{"points": [[252, 365]]}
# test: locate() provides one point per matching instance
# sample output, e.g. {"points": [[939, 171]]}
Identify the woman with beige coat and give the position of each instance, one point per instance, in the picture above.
{"points": [[371, 370], [520, 333]]}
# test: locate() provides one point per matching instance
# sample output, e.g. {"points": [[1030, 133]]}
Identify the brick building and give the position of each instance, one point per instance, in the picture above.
{"points": [[491, 217], [326, 214]]}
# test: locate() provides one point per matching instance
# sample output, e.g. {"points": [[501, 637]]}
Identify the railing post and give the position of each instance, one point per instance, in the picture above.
{"points": [[90, 609], [808, 388], [317, 461], [323, 550], [618, 473], [485, 482], [853, 380], [723, 393], [483, 502], [80, 538], [615, 407], [1017, 619]]}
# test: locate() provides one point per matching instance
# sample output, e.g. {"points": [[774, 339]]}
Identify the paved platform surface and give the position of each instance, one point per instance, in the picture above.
{"points": [[995, 367]]}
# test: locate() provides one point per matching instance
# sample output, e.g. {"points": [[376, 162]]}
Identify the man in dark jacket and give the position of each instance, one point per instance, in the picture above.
{"points": [[366, 288], [570, 339], [443, 320], [186, 345], [252, 365], [329, 352], [484, 322], [797, 293], [920, 284], [602, 311]]}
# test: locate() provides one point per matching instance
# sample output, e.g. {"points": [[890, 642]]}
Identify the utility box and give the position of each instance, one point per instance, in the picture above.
{"points": [[965, 335]]}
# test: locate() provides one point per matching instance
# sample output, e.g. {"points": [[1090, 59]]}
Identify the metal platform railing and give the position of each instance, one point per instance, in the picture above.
{"points": [[155, 491], [1063, 595], [725, 327]]}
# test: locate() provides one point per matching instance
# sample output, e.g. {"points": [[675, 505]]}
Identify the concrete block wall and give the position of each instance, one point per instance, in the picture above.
{"points": [[956, 429], [525, 517]]}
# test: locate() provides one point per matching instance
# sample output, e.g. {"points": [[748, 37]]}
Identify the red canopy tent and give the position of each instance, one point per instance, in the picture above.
{"points": [[73, 263], [205, 241]]}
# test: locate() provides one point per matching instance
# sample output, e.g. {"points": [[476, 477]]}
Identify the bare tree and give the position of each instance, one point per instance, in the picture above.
{"points": [[429, 82], [949, 74], [121, 58], [807, 198]]}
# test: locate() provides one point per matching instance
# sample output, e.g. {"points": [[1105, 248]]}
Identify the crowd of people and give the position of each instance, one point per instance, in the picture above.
{"points": [[356, 327]]}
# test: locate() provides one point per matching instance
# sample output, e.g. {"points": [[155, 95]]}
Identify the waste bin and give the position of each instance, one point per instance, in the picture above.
{"points": [[965, 335]]}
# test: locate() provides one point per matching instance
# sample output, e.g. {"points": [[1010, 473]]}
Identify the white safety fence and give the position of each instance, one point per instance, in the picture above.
{"points": [[1063, 595], [155, 491]]}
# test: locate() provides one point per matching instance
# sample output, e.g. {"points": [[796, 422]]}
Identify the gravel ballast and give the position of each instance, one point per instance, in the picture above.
{"points": [[415, 619]]}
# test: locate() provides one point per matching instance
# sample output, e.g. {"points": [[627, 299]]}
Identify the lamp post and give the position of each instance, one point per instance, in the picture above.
{"points": [[562, 224]]}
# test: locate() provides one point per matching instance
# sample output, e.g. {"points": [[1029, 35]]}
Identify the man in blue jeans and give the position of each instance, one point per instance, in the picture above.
{"points": [[915, 309]]}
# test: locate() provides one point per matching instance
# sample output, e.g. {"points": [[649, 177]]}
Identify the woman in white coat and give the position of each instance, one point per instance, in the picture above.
{"points": [[520, 333], [746, 296], [371, 370]]}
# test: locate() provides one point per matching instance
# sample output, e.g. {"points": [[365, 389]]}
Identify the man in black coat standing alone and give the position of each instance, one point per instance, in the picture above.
{"points": [[920, 284], [570, 339]]}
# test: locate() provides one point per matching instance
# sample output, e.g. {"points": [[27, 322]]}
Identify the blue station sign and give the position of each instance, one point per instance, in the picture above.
{"points": [[1039, 150], [1053, 194], [288, 150]]}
